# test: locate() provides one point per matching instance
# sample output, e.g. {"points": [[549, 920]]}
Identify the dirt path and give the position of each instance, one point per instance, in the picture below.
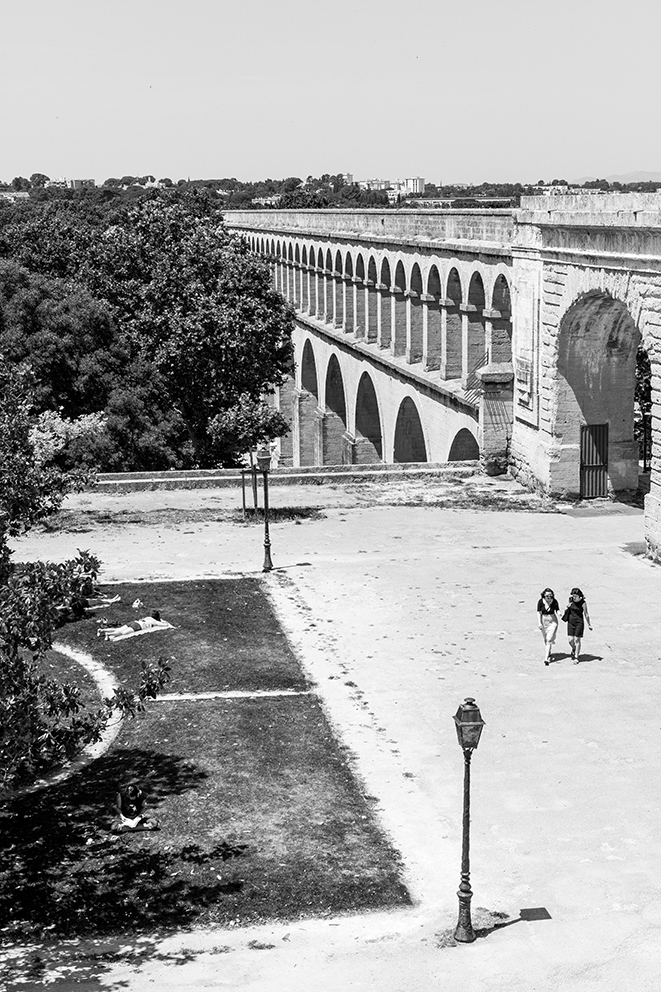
{"points": [[398, 613]]}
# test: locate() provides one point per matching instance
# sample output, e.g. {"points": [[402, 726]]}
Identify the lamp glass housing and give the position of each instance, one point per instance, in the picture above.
{"points": [[469, 723], [263, 460]]}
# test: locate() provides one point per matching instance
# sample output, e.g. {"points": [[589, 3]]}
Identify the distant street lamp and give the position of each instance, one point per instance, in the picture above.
{"points": [[264, 464], [469, 725]]}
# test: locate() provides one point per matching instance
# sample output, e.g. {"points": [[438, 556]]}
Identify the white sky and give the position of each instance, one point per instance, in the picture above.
{"points": [[453, 90]]}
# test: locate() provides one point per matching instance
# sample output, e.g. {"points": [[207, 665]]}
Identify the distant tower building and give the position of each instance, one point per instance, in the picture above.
{"points": [[348, 178], [414, 185]]}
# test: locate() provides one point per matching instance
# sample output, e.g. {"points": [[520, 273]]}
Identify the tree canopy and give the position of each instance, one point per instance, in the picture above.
{"points": [[150, 312]]}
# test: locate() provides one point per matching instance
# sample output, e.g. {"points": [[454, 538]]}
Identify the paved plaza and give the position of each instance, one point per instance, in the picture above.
{"points": [[398, 613]]}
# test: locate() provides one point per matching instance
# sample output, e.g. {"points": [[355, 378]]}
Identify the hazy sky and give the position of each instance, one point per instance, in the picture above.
{"points": [[453, 90]]}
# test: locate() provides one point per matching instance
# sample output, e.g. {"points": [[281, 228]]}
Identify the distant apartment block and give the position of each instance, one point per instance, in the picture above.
{"points": [[348, 178], [63, 183], [13, 194]]}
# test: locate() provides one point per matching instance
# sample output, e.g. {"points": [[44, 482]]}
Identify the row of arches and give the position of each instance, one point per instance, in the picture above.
{"points": [[327, 431], [433, 313]]}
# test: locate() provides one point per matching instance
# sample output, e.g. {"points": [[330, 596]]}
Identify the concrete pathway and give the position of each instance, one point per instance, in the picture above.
{"points": [[398, 613]]}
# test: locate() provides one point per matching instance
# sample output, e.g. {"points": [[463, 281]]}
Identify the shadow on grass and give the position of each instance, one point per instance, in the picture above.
{"points": [[278, 514], [65, 875]]}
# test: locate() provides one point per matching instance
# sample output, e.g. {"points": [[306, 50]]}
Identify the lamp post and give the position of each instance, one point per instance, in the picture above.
{"points": [[469, 725], [264, 463]]}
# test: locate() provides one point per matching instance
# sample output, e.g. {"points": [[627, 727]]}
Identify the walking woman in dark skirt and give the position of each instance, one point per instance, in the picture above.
{"points": [[576, 612]]}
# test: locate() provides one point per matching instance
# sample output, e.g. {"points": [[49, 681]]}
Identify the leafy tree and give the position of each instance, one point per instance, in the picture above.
{"points": [[38, 179], [197, 305], [42, 721], [20, 183]]}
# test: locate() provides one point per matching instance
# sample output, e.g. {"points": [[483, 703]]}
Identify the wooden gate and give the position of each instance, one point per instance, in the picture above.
{"points": [[594, 461]]}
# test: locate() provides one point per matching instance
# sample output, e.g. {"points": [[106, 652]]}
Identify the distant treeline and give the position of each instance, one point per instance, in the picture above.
{"points": [[316, 192]]}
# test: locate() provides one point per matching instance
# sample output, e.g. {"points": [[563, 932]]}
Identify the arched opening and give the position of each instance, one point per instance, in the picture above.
{"points": [[308, 403], [372, 302], [305, 281], [475, 351], [414, 347], [320, 286], [335, 421], [329, 289], [290, 273], [451, 358], [409, 438], [593, 421], [369, 442], [500, 348], [347, 292], [432, 358], [338, 292], [386, 305], [398, 342], [359, 298], [464, 447]]}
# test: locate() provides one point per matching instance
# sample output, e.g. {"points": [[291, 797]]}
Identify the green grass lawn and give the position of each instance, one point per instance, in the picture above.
{"points": [[261, 817], [227, 636]]}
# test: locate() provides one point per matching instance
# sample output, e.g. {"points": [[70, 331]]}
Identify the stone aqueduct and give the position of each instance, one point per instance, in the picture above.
{"points": [[508, 335]]}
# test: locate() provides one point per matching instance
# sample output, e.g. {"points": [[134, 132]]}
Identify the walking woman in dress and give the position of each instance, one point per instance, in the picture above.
{"points": [[547, 609], [576, 612]]}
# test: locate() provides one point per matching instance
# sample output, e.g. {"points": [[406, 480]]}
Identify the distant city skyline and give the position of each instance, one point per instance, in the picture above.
{"points": [[504, 92]]}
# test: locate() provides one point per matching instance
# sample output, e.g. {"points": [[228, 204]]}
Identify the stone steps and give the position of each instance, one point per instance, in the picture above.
{"points": [[304, 475]]}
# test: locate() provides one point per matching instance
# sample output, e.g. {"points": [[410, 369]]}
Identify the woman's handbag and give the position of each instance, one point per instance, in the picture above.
{"points": [[565, 615]]}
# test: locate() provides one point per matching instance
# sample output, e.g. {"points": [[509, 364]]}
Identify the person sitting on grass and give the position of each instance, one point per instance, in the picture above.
{"points": [[152, 622], [130, 802]]}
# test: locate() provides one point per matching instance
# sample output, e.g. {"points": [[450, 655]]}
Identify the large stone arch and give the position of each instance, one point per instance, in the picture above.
{"points": [[593, 404], [409, 444], [335, 447], [308, 402], [464, 447], [369, 434]]}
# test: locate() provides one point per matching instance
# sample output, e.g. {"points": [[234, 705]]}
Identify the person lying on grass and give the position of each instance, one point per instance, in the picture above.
{"points": [[77, 605], [152, 622], [130, 802]]}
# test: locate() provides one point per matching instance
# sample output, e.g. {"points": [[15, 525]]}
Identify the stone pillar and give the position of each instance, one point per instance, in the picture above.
{"points": [[336, 287], [319, 419], [496, 410], [385, 318], [348, 448], [304, 424], [372, 303], [472, 342], [414, 328], [451, 340], [327, 315], [398, 335], [358, 304], [431, 332], [333, 439], [348, 293]]}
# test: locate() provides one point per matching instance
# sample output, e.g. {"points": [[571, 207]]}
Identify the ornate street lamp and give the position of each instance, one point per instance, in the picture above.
{"points": [[264, 464], [469, 725]]}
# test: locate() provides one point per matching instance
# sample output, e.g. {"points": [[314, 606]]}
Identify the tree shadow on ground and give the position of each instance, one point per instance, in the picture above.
{"points": [[64, 874]]}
